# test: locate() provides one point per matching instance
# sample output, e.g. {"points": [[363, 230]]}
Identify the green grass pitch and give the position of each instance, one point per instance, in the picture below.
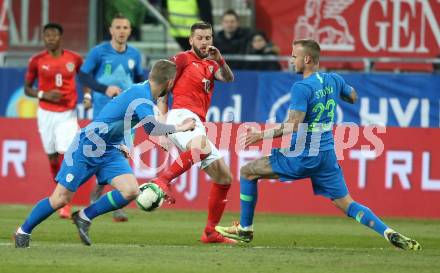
{"points": [[167, 241]]}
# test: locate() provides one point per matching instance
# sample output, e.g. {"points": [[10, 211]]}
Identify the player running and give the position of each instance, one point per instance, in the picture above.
{"points": [[55, 69], [97, 151], [111, 67], [311, 155], [196, 71]]}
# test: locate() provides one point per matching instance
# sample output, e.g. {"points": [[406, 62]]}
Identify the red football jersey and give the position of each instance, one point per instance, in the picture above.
{"points": [[55, 73], [194, 83]]}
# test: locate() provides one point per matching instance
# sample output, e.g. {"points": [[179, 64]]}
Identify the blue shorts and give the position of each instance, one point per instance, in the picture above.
{"points": [[75, 172], [323, 169]]}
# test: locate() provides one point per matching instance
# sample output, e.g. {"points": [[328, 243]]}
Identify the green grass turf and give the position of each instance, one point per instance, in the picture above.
{"points": [[167, 241]]}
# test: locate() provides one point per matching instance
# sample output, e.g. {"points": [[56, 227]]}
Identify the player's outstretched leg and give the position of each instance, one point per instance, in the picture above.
{"points": [[119, 215], [217, 201], [41, 211], [249, 175], [109, 202], [243, 231], [126, 189], [365, 216]]}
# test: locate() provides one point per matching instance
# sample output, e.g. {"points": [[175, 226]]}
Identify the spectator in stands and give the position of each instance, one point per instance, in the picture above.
{"points": [[232, 39], [133, 10], [259, 44], [182, 14]]}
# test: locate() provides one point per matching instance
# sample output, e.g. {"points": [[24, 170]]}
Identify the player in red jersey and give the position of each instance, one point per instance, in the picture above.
{"points": [[196, 71], [55, 69]]}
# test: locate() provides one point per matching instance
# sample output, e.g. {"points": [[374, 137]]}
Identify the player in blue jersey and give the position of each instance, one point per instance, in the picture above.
{"points": [[109, 68], [311, 155], [97, 150]]}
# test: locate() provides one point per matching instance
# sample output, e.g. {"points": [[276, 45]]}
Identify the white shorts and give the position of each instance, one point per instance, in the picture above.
{"points": [[57, 129], [181, 139]]}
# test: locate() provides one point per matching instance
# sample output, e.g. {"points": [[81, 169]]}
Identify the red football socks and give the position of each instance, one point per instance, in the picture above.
{"points": [[216, 205], [55, 165]]}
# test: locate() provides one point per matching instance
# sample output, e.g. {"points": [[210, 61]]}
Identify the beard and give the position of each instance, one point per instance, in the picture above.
{"points": [[199, 53]]}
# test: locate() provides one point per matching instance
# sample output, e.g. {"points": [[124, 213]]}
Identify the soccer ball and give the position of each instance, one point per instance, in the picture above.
{"points": [[151, 197]]}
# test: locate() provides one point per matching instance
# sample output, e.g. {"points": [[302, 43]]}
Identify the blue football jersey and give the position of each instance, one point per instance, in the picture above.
{"points": [[110, 67], [317, 96], [120, 115]]}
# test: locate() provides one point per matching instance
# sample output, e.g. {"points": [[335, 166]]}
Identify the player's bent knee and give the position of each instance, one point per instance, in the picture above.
{"points": [[343, 203], [246, 172], [59, 201], [225, 178], [200, 143], [130, 194]]}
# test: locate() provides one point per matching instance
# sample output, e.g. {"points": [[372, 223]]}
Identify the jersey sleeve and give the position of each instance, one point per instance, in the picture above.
{"points": [[92, 61], [181, 61], [79, 62], [299, 96], [32, 71], [144, 109], [343, 88]]}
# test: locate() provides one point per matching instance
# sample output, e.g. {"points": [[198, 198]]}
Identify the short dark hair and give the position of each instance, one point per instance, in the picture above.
{"points": [[162, 71], [119, 15], [311, 47], [54, 26], [200, 25], [231, 12]]}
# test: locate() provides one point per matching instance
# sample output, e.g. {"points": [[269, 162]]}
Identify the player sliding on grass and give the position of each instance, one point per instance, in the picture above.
{"points": [[312, 155], [96, 151]]}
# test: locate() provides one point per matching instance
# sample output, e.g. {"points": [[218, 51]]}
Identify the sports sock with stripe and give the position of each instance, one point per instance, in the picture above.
{"points": [[366, 217], [248, 201], [108, 202]]}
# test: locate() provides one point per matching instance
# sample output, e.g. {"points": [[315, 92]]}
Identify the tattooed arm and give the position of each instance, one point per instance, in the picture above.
{"points": [[224, 73], [288, 127]]}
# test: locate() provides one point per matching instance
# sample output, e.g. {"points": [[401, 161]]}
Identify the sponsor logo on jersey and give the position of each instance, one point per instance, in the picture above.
{"points": [[45, 67], [70, 66]]}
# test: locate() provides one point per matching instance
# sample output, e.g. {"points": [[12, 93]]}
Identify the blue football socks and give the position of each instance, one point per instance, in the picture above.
{"points": [[111, 201], [39, 213], [366, 217], [248, 201]]}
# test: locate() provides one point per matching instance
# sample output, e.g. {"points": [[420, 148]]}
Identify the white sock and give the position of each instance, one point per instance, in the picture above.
{"points": [[386, 232], [249, 228], [83, 216], [20, 231]]}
